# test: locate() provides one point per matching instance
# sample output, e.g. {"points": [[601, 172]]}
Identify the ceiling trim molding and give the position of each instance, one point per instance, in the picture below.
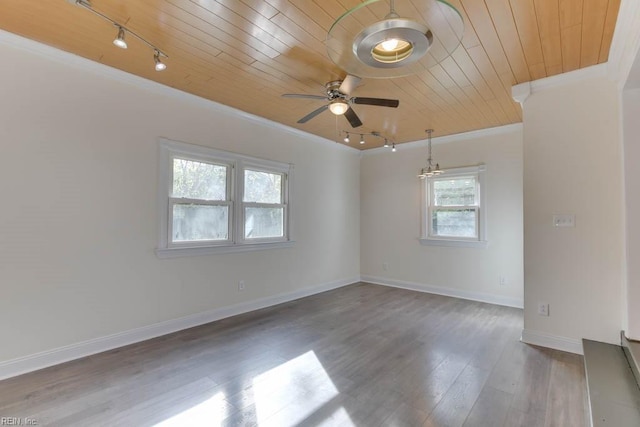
{"points": [[594, 71], [626, 42], [458, 137], [69, 59], [521, 92]]}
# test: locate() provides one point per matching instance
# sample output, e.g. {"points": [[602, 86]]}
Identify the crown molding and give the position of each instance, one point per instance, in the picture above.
{"points": [[521, 92], [457, 137], [69, 59], [575, 76]]}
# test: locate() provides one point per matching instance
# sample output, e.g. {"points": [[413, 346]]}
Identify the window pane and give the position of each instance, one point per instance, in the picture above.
{"points": [[455, 192], [454, 223], [262, 187], [263, 222], [197, 180], [200, 222]]}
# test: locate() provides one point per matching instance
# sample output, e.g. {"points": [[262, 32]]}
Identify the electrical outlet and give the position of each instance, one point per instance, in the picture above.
{"points": [[543, 309], [241, 286], [385, 266], [564, 220], [502, 281]]}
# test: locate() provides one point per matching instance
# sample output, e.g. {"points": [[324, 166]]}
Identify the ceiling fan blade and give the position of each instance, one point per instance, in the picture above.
{"points": [[349, 84], [353, 118], [377, 101], [302, 95], [312, 114]]}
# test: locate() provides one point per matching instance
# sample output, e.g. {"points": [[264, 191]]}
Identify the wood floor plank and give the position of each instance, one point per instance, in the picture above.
{"points": [[490, 409], [361, 355], [456, 405]]}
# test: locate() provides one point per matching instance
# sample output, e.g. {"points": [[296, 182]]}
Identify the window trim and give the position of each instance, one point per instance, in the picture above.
{"points": [[481, 241], [168, 150]]}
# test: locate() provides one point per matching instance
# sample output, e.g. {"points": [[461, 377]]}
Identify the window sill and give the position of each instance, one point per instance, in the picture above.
{"points": [[455, 243], [212, 250]]}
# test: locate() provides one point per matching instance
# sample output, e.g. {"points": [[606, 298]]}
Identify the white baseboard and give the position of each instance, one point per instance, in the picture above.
{"points": [[552, 341], [34, 362], [450, 292]]}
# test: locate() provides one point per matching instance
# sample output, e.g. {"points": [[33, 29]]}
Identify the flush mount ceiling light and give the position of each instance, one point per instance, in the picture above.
{"points": [[392, 42], [411, 36]]}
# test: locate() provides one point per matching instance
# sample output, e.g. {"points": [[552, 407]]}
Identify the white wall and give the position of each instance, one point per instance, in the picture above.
{"points": [[390, 221], [78, 224], [631, 113], [572, 165]]}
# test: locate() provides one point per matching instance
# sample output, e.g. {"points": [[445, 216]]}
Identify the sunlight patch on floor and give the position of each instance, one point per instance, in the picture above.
{"points": [[293, 392], [209, 413]]}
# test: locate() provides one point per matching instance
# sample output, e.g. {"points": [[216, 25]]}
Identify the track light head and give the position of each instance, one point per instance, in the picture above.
{"points": [[346, 138], [361, 139], [119, 40], [160, 66]]}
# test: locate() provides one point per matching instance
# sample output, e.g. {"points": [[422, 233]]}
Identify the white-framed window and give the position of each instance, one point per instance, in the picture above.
{"points": [[213, 201], [454, 208]]}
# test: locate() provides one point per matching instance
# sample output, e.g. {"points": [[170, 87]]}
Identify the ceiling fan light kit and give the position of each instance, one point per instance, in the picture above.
{"points": [[338, 106], [338, 95], [409, 37]]}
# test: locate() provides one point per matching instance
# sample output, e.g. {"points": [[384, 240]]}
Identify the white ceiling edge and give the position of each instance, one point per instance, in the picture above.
{"points": [[78, 62], [457, 137], [522, 91], [626, 42]]}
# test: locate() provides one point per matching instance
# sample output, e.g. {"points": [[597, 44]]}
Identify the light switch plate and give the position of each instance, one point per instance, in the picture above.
{"points": [[565, 220]]}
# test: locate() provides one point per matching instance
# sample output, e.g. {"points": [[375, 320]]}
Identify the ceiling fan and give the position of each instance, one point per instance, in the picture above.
{"points": [[340, 100]]}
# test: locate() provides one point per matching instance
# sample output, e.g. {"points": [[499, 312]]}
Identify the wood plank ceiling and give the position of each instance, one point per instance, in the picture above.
{"points": [[246, 53]]}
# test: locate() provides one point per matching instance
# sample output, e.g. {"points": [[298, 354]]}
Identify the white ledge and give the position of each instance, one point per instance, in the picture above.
{"points": [[212, 250], [455, 243]]}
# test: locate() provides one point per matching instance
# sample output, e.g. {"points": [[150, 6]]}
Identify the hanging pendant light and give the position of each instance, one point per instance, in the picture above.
{"points": [[430, 170]]}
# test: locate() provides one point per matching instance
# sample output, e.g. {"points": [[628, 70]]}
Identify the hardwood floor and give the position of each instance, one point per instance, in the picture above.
{"points": [[362, 355]]}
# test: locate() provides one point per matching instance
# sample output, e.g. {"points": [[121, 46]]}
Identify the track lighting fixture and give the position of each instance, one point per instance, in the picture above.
{"points": [[160, 66], [119, 41], [347, 138], [393, 148]]}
